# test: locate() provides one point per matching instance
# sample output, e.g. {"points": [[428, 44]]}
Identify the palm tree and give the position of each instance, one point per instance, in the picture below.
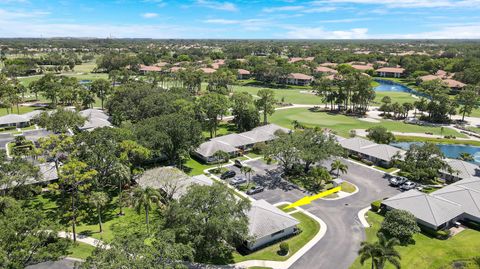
{"points": [[386, 251], [247, 171], [145, 198], [465, 156], [319, 175], [121, 175], [339, 167], [221, 156], [99, 200], [368, 251]]}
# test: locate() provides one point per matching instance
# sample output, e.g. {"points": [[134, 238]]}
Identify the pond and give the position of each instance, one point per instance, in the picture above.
{"points": [[450, 150], [390, 86]]}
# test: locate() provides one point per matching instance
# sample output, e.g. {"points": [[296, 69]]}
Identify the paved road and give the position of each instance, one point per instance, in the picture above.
{"points": [[338, 248]]}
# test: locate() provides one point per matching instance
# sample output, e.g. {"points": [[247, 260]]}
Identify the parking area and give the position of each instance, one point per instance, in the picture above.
{"points": [[344, 231]]}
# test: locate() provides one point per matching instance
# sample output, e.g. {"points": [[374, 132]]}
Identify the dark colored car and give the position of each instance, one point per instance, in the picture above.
{"points": [[255, 190], [408, 186], [238, 181], [228, 174], [238, 163], [397, 181]]}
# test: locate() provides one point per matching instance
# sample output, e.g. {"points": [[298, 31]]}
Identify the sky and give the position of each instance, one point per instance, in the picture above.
{"points": [[242, 19]]}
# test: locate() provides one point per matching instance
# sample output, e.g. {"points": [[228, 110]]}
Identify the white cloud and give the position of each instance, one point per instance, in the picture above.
{"points": [[249, 24], [457, 31], [149, 15], [8, 14], [345, 20], [408, 3], [283, 8], [321, 33], [227, 6]]}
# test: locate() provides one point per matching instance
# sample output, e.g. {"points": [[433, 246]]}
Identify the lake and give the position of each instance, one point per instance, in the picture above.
{"points": [[450, 150]]}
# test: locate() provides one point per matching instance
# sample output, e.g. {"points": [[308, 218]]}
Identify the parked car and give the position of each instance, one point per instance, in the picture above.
{"points": [[238, 181], [238, 164], [228, 174], [255, 190], [408, 186], [397, 181]]}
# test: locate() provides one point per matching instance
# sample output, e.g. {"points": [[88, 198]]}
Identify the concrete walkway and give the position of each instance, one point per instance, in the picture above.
{"points": [[84, 239], [361, 217]]}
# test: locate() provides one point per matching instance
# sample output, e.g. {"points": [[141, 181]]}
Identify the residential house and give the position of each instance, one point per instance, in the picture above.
{"points": [[393, 72], [461, 170], [235, 144], [145, 69], [95, 119], [268, 224], [299, 79], [14, 120], [362, 67], [380, 154], [207, 70], [442, 208], [454, 85], [173, 182], [243, 74], [325, 70]]}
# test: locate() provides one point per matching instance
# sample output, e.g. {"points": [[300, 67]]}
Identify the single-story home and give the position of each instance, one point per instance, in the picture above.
{"points": [[14, 120], [235, 143], [325, 70], [442, 208], [362, 67], [144, 69], [394, 72], [243, 74], [462, 170], [267, 224], [207, 70], [173, 182], [95, 119], [379, 154], [47, 173], [454, 85], [299, 79]]}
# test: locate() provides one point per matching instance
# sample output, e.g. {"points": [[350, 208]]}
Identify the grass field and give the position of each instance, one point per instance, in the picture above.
{"points": [[427, 252], [437, 140], [80, 250], [343, 124], [309, 229]]}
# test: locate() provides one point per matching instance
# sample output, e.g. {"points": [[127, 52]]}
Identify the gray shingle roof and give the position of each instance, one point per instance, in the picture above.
{"points": [[381, 151], [209, 148], [463, 169], [264, 133], [236, 140], [265, 219], [426, 207], [12, 118], [355, 143], [171, 180], [95, 119]]}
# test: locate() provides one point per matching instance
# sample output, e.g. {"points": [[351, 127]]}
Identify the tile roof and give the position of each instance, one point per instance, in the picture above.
{"points": [[209, 148], [381, 151], [391, 70], [13, 118], [463, 169], [299, 76]]}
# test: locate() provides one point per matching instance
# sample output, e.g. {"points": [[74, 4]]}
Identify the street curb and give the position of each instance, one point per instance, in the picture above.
{"points": [[361, 217]]}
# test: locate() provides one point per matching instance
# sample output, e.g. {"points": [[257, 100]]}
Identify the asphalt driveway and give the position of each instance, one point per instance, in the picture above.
{"points": [[338, 248]]}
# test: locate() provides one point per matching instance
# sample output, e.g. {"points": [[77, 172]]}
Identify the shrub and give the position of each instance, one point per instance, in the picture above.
{"points": [[284, 248], [376, 205], [367, 162], [259, 148]]}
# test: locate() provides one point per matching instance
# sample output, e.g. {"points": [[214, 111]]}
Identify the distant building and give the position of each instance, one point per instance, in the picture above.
{"points": [[96, 118], [145, 69], [380, 154], [243, 74], [393, 72], [299, 79], [267, 224], [207, 70], [325, 70], [454, 85]]}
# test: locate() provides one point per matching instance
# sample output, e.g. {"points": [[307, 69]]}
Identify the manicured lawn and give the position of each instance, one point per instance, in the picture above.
{"points": [[80, 250], [309, 229], [343, 124], [388, 170], [253, 155], [348, 187], [224, 128], [195, 168], [400, 97], [293, 96], [427, 252], [437, 140], [22, 109]]}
